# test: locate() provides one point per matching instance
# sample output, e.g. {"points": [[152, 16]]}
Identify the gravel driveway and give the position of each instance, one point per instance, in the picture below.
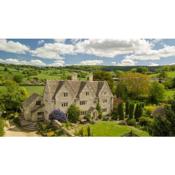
{"points": [[17, 132]]}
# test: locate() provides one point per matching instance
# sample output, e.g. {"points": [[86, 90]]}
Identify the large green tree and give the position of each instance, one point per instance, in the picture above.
{"points": [[156, 92], [163, 125], [142, 69], [122, 91], [18, 78], [12, 96], [73, 113], [137, 84]]}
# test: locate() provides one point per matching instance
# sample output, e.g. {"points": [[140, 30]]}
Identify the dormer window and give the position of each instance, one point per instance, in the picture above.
{"points": [[65, 94], [38, 102], [87, 93]]}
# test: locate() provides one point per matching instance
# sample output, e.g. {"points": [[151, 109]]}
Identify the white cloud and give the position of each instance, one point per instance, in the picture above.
{"points": [[153, 64], [91, 62], [37, 63], [167, 51], [22, 62], [11, 46], [98, 47], [60, 40], [111, 47], [127, 62], [57, 63], [113, 63], [53, 50], [138, 49]]}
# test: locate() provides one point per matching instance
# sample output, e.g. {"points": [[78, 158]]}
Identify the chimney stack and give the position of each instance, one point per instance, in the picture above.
{"points": [[74, 76], [90, 77]]}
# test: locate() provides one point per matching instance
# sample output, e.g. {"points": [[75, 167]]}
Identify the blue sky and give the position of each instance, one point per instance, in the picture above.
{"points": [[63, 52]]}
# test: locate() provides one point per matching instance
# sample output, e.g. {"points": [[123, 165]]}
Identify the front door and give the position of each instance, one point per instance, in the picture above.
{"points": [[40, 116], [95, 115]]}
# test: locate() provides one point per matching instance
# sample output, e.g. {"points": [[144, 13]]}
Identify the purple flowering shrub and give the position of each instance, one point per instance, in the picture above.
{"points": [[58, 115]]}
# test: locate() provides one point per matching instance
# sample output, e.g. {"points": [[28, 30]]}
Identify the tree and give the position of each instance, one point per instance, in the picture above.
{"points": [[142, 69], [5, 69], [138, 111], [173, 105], [163, 75], [127, 108], [98, 108], [115, 113], [121, 91], [121, 111], [89, 132], [73, 113], [12, 97], [1, 127], [163, 125], [156, 92], [118, 73], [18, 78], [170, 83], [137, 84], [103, 75], [131, 110]]}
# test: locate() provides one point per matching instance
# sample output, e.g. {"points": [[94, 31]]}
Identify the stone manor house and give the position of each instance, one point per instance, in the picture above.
{"points": [[60, 94]]}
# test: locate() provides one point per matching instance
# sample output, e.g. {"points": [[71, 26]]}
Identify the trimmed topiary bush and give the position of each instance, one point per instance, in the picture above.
{"points": [[121, 111], [138, 111], [131, 110], [145, 121], [2, 124], [127, 108], [150, 109], [131, 122], [89, 132]]}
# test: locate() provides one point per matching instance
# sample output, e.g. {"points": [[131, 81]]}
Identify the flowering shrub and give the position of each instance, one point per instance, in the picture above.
{"points": [[58, 115]]}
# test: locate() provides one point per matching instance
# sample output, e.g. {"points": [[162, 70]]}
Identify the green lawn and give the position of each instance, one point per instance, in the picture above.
{"points": [[111, 128], [169, 94], [171, 74], [30, 89], [35, 89]]}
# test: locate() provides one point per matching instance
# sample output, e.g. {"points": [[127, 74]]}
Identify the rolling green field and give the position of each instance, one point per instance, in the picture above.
{"points": [[111, 128], [171, 74], [30, 89], [35, 89]]}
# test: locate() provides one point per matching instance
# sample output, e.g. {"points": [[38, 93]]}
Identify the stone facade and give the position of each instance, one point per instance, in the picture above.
{"points": [[60, 94]]}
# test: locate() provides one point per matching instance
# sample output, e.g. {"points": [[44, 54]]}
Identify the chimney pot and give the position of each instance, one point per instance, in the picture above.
{"points": [[90, 77], [74, 76]]}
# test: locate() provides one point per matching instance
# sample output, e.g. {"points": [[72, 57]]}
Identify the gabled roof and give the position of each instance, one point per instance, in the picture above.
{"points": [[74, 86], [35, 108], [29, 100]]}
